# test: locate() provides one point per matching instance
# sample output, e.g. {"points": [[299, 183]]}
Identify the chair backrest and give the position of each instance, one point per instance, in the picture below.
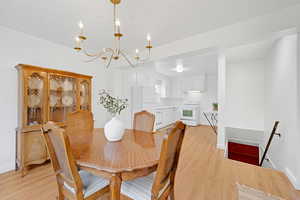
{"points": [[143, 121], [61, 157], [80, 122], [168, 161]]}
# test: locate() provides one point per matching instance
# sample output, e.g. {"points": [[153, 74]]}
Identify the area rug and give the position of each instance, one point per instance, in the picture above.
{"points": [[248, 193]]}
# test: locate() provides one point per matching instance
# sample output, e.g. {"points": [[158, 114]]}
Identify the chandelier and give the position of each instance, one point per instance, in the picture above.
{"points": [[114, 53]]}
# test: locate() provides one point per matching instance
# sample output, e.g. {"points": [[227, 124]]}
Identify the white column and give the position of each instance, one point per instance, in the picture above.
{"points": [[221, 100]]}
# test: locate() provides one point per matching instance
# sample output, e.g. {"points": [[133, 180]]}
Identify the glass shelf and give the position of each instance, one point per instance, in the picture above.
{"points": [[84, 95], [34, 98], [62, 97]]}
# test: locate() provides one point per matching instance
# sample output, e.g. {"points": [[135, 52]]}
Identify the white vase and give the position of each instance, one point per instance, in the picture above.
{"points": [[114, 130]]}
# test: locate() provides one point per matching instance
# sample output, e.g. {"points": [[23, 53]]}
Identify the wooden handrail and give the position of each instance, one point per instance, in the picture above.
{"points": [[269, 142]]}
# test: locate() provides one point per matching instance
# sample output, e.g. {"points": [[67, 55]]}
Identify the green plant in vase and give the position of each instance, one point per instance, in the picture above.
{"points": [[114, 129]]}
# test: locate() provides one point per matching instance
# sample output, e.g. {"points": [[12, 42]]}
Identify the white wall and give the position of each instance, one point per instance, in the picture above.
{"points": [[282, 103], [18, 48], [245, 95]]}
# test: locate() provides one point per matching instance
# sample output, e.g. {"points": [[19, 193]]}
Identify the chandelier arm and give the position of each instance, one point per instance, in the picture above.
{"points": [[145, 59], [126, 58], [95, 57], [108, 64], [90, 55], [110, 49]]}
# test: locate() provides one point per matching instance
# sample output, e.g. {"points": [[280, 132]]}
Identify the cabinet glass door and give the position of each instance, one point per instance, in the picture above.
{"points": [[62, 97], [34, 98], [84, 95]]}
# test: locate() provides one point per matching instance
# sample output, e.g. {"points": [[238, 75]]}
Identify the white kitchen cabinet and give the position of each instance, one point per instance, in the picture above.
{"points": [[165, 116], [176, 114], [176, 89], [194, 83], [158, 119]]}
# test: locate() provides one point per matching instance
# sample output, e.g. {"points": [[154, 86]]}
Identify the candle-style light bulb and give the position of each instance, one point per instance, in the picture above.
{"points": [[137, 57], [77, 39], [118, 24], [80, 25], [77, 46], [148, 37]]}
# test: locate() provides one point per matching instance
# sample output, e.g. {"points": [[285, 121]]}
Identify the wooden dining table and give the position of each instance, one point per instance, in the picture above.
{"points": [[136, 155]]}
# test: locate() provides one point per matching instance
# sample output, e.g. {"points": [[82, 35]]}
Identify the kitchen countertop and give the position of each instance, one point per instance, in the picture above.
{"points": [[160, 107]]}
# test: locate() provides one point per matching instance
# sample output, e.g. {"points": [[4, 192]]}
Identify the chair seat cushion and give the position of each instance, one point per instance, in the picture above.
{"points": [[139, 188], [91, 183]]}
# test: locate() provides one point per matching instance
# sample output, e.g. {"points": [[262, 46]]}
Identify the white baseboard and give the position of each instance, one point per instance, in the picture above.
{"points": [[6, 167], [221, 146], [292, 178], [286, 171]]}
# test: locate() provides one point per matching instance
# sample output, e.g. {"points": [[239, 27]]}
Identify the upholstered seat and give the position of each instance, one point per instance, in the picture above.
{"points": [[90, 182], [140, 188]]}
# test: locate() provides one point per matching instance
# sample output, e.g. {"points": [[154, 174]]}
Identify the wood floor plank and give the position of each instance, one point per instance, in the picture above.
{"points": [[203, 174]]}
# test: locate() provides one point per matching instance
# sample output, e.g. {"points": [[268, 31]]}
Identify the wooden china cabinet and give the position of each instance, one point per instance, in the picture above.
{"points": [[45, 95]]}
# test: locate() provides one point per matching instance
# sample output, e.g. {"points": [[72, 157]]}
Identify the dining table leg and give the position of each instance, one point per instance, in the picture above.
{"points": [[115, 187]]}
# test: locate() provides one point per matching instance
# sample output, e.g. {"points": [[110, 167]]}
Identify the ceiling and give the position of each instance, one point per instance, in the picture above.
{"points": [[166, 20], [193, 64]]}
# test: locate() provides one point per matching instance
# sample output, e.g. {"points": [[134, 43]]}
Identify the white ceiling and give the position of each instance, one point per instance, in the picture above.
{"points": [[166, 20], [193, 63]]}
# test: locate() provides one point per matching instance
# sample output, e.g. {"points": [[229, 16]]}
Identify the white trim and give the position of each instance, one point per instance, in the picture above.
{"points": [[292, 178], [271, 162], [221, 146], [6, 167]]}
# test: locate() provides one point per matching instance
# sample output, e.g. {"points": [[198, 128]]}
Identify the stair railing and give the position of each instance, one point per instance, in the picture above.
{"points": [[269, 142]]}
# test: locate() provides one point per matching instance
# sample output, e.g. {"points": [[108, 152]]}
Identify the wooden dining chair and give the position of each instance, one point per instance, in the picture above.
{"points": [[160, 184], [80, 121], [143, 121], [72, 183]]}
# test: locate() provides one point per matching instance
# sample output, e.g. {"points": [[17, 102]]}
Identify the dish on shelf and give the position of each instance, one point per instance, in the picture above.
{"points": [[67, 85], [35, 83], [53, 100], [83, 90], [67, 100], [33, 100], [54, 84]]}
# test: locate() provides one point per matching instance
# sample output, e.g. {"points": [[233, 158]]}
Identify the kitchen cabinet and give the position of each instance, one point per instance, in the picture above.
{"points": [[158, 119], [194, 83], [165, 116], [180, 86]]}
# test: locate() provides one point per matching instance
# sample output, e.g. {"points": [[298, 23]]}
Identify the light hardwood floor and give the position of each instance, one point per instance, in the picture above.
{"points": [[203, 174]]}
